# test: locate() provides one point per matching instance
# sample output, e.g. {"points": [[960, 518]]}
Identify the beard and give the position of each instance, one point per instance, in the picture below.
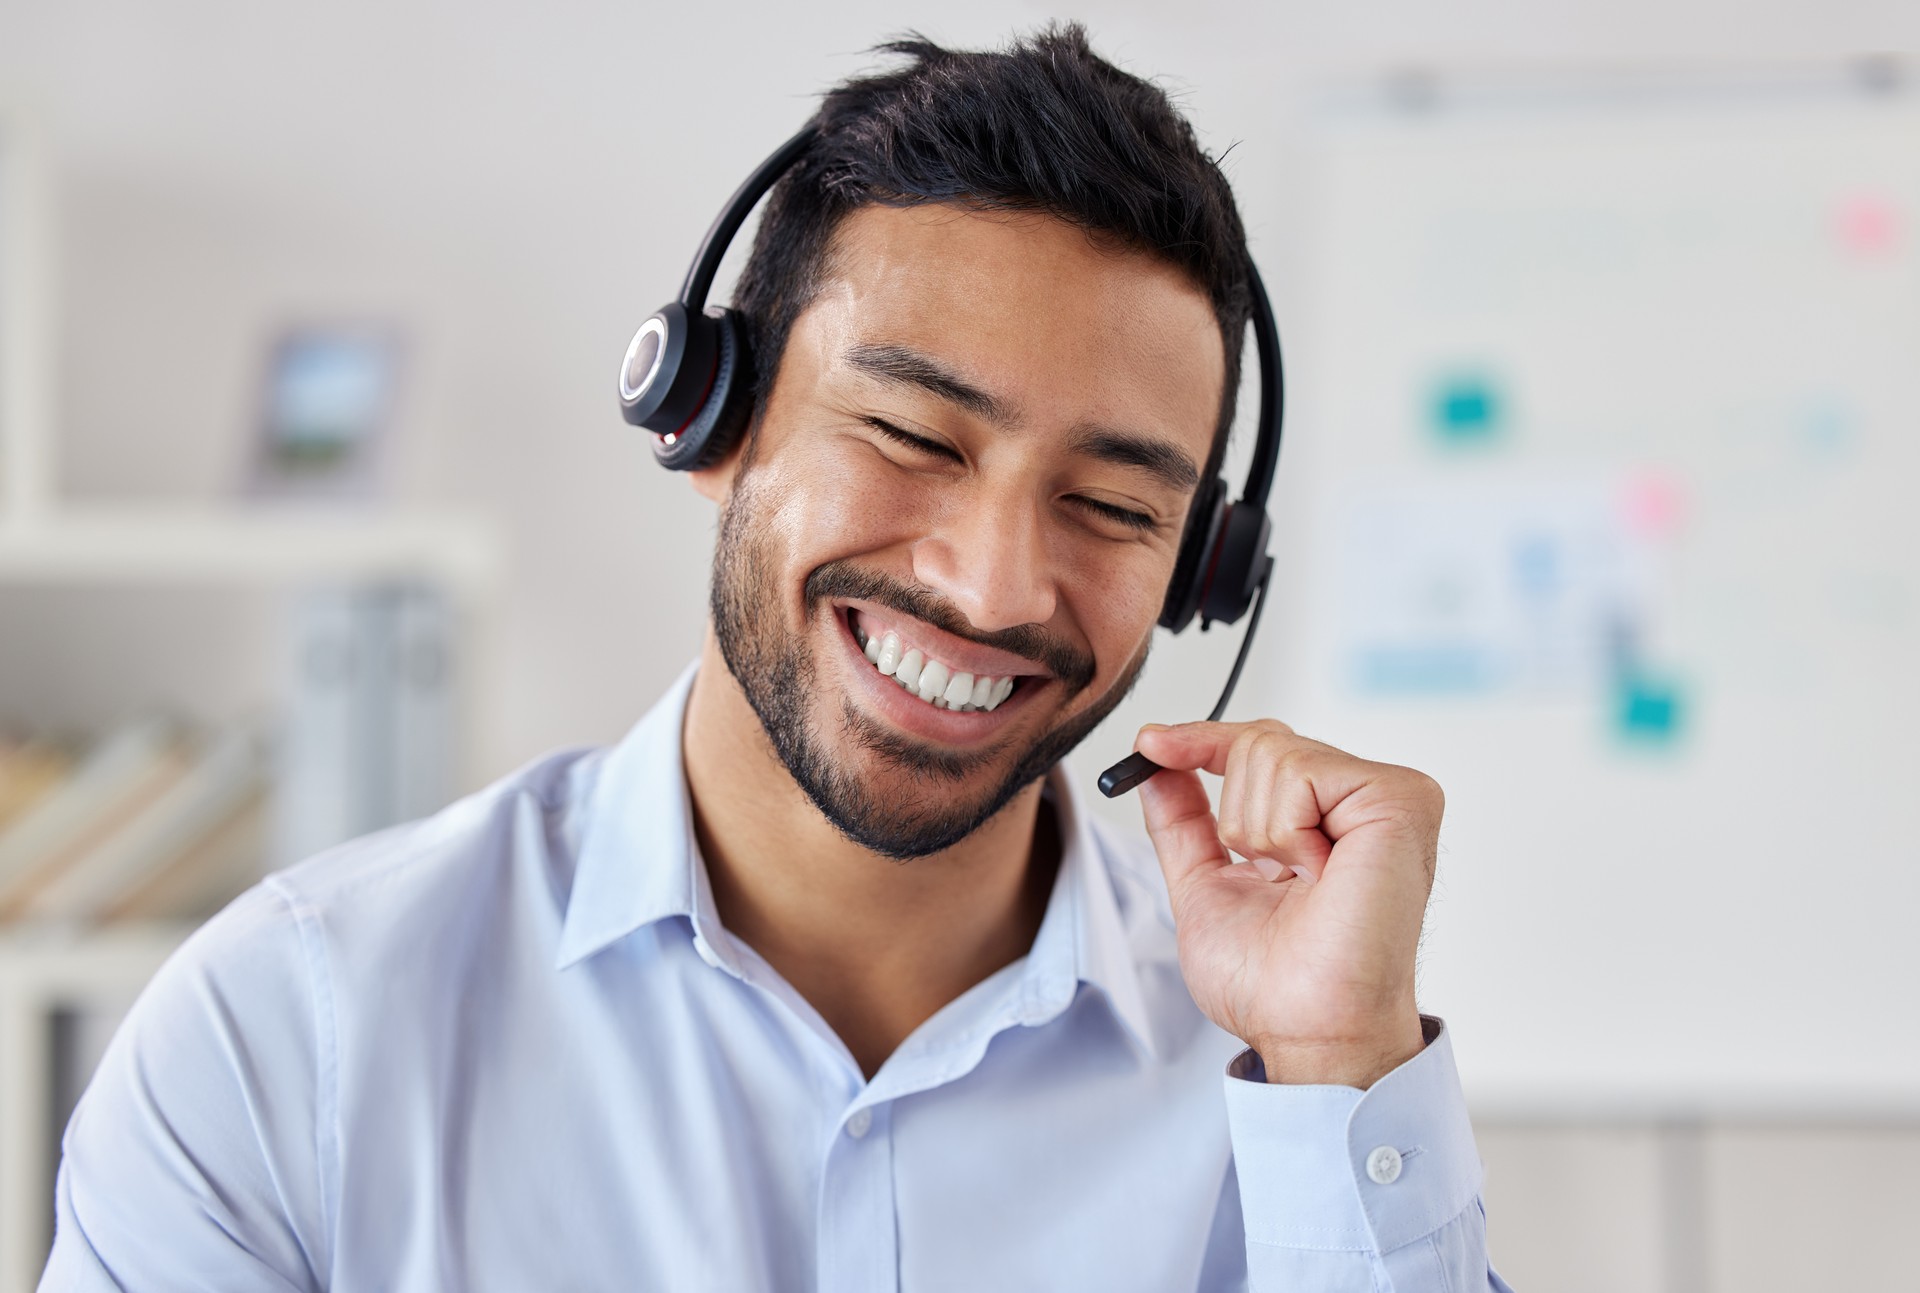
{"points": [[917, 804]]}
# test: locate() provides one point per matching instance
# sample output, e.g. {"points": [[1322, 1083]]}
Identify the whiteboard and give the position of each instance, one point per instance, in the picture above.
{"points": [[1599, 503]]}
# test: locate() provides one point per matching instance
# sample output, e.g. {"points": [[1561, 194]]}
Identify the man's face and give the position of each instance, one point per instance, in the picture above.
{"points": [[977, 456]]}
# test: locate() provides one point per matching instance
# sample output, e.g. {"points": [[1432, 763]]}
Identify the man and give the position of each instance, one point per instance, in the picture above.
{"points": [[809, 982]]}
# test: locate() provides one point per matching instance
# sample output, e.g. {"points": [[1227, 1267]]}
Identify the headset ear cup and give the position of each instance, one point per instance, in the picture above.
{"points": [[1196, 553], [664, 376], [1238, 566], [716, 424]]}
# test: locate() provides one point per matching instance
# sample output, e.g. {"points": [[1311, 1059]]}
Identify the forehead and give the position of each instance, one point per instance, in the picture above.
{"points": [[1064, 326]]}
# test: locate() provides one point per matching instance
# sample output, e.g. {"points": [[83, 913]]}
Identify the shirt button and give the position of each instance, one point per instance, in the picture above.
{"points": [[1383, 1165], [859, 1123]]}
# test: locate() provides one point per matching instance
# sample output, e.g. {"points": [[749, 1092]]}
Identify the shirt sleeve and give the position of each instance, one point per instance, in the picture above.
{"points": [[1349, 1190], [192, 1160]]}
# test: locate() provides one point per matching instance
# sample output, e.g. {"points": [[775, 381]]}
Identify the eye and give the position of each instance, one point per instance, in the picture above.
{"points": [[910, 440], [1119, 515]]}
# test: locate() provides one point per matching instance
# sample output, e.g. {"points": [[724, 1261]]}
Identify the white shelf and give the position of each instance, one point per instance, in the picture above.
{"points": [[39, 969], [46, 539], [47, 965], [156, 543], [49, 541]]}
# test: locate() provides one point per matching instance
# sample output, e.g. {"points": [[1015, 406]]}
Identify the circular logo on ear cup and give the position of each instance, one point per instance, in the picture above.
{"points": [[725, 407], [643, 358]]}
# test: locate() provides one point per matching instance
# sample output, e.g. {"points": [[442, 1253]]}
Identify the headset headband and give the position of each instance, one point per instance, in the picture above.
{"points": [[713, 248], [687, 378]]}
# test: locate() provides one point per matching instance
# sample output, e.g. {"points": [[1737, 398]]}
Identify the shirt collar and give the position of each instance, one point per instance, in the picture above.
{"points": [[637, 853], [639, 863]]}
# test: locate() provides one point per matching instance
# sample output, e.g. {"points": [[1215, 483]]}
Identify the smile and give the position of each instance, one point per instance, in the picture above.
{"points": [[901, 652]]}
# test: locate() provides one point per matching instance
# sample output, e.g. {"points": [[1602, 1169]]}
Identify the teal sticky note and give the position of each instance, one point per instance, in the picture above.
{"points": [[1648, 711], [1466, 409]]}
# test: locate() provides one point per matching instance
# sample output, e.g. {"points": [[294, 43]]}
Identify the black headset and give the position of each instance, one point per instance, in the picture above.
{"points": [[688, 379]]}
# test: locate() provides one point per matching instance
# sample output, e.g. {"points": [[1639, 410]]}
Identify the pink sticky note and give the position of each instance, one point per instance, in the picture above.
{"points": [[1869, 225], [1653, 504]]}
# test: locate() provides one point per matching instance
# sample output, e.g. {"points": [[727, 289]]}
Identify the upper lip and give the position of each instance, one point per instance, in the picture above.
{"points": [[957, 653]]}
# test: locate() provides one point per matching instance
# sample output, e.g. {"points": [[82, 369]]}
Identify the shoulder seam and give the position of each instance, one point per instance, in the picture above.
{"points": [[326, 1063]]}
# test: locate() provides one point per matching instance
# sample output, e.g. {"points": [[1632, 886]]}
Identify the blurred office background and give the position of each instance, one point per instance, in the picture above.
{"points": [[1603, 323]]}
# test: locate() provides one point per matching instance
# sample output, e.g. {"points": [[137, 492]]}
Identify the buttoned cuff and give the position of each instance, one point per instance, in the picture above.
{"points": [[1335, 1167]]}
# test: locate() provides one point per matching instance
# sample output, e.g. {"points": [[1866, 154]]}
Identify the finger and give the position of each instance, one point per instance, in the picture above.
{"points": [[1347, 792], [1295, 829], [1233, 795], [1200, 746], [1271, 870], [1268, 822], [1181, 825], [1259, 772]]}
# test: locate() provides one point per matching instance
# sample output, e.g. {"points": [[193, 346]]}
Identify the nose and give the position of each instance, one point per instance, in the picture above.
{"points": [[989, 557]]}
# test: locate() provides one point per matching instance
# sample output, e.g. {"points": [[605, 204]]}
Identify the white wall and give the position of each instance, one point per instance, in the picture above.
{"points": [[521, 184]]}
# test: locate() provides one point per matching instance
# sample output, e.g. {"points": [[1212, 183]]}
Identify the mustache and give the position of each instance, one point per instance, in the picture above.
{"points": [[1063, 660]]}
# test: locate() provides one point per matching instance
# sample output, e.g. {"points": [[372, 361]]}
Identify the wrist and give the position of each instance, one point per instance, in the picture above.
{"points": [[1358, 1061]]}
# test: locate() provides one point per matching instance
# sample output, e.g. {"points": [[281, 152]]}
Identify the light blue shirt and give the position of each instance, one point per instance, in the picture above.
{"points": [[511, 1047]]}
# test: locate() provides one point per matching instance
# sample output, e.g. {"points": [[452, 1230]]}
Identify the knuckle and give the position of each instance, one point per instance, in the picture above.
{"points": [[1292, 761], [1227, 824], [1423, 796], [1426, 790]]}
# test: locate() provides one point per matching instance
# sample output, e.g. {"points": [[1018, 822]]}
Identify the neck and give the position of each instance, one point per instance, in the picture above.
{"points": [[875, 945]]}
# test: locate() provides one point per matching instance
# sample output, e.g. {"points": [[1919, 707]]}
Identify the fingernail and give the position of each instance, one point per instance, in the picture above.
{"points": [[1153, 727]]}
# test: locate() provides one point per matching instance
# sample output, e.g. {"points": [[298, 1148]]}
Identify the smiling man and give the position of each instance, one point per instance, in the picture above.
{"points": [[823, 977]]}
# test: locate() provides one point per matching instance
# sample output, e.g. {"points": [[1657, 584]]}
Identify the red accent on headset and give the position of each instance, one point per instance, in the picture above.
{"points": [[711, 375], [1219, 546]]}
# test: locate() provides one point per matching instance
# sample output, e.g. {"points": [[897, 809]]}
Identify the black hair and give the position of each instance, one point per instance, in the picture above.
{"points": [[1043, 125]]}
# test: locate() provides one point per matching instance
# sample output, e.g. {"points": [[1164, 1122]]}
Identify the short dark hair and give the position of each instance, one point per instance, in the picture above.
{"points": [[1043, 125]]}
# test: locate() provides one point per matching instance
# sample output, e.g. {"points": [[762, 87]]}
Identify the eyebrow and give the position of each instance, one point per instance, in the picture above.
{"points": [[1165, 463], [901, 366]]}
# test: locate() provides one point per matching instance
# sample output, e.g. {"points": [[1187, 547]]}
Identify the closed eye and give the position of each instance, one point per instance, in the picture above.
{"points": [[1125, 516], [912, 441], [1119, 515]]}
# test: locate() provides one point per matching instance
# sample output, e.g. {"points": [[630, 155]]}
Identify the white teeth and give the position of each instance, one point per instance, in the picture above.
{"points": [[959, 690], [908, 674], [935, 683]]}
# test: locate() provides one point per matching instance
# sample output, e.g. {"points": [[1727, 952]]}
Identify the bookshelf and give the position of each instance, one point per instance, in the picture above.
{"points": [[129, 543], [360, 572], [40, 973]]}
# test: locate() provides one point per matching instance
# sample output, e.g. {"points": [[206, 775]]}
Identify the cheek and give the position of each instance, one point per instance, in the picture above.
{"points": [[1115, 593], [829, 504], [1121, 614]]}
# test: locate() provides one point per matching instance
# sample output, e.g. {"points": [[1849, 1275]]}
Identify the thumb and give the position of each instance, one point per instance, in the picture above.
{"points": [[1180, 823]]}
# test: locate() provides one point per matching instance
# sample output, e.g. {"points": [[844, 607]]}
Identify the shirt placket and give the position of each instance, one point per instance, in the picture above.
{"points": [[859, 1233]]}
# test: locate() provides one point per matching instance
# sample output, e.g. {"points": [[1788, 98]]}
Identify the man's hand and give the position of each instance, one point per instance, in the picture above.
{"points": [[1313, 968]]}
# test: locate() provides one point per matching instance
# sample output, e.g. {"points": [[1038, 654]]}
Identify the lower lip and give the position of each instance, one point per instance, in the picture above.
{"points": [[947, 726]]}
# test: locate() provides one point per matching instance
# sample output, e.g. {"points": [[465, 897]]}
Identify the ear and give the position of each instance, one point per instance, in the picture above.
{"points": [[716, 482]]}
